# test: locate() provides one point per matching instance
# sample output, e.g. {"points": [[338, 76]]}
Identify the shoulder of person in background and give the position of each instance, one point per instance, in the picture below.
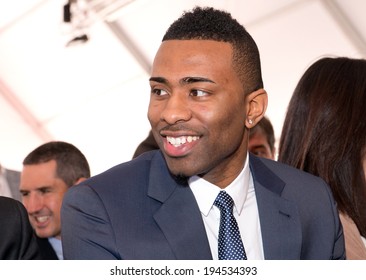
{"points": [[17, 239]]}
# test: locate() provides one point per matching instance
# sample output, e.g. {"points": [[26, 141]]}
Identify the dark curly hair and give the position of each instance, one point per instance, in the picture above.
{"points": [[210, 24]]}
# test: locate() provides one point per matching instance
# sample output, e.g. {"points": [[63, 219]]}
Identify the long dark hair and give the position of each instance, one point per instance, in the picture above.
{"points": [[324, 132]]}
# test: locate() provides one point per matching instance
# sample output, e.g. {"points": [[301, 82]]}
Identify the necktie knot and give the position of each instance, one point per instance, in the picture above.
{"points": [[224, 202]]}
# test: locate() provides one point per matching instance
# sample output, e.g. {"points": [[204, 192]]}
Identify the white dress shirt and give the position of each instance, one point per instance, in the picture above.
{"points": [[245, 211]]}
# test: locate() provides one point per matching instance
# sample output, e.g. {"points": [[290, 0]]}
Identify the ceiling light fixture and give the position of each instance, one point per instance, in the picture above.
{"points": [[81, 14]]}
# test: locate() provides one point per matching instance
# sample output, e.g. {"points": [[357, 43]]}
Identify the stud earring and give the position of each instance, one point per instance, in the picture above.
{"points": [[250, 121]]}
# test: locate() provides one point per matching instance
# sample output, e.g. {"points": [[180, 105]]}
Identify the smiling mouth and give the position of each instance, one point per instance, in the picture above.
{"points": [[41, 219], [178, 141]]}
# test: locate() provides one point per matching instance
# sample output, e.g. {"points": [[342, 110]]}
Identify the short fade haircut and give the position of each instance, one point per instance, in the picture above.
{"points": [[71, 163], [206, 23]]}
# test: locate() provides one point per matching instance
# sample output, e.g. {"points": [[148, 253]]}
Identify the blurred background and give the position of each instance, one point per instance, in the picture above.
{"points": [[78, 70]]}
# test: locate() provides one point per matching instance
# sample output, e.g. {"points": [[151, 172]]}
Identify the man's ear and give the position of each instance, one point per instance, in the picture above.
{"points": [[78, 181], [257, 105]]}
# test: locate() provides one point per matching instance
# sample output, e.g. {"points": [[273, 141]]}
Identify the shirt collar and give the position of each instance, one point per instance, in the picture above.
{"points": [[206, 193], [57, 246]]}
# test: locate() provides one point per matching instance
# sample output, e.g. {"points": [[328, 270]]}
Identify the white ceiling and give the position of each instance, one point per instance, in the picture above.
{"points": [[95, 95]]}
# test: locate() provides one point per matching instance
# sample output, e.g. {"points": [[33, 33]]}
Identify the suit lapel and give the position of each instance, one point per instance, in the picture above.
{"points": [[279, 219], [180, 220], [179, 217]]}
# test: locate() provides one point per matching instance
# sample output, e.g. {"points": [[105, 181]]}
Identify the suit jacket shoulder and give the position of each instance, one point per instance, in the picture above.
{"points": [[299, 209], [136, 210], [17, 240]]}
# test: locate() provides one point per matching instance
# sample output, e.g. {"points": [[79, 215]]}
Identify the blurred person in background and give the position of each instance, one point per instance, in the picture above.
{"points": [[262, 139], [48, 172], [17, 239], [324, 133], [9, 183]]}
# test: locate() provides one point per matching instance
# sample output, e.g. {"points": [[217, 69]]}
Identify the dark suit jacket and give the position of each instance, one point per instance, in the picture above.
{"points": [[17, 239], [137, 210], [46, 250]]}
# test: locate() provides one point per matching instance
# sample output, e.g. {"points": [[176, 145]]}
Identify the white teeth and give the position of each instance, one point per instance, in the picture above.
{"points": [[42, 219], [181, 140]]}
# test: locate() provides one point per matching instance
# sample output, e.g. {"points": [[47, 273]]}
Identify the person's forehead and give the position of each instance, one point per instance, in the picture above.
{"points": [[48, 166], [258, 135], [193, 58], [44, 171], [173, 48]]}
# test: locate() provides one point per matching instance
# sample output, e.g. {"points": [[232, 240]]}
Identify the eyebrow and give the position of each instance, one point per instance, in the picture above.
{"points": [[42, 188], [158, 80], [183, 81], [190, 80]]}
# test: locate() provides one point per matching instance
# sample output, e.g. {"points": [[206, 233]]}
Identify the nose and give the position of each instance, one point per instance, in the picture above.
{"points": [[33, 203], [176, 109]]}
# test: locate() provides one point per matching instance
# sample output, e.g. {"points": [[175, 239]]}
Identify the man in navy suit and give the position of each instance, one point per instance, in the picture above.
{"points": [[206, 95]]}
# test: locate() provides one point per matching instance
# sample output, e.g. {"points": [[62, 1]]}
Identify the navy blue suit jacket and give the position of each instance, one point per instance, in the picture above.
{"points": [[138, 210]]}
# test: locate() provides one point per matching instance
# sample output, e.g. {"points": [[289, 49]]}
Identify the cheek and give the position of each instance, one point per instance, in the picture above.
{"points": [[205, 114], [233, 109], [232, 119], [227, 133], [56, 212], [25, 201], [55, 202]]}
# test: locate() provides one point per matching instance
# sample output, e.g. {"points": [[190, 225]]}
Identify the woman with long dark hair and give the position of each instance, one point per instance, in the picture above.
{"points": [[324, 133]]}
